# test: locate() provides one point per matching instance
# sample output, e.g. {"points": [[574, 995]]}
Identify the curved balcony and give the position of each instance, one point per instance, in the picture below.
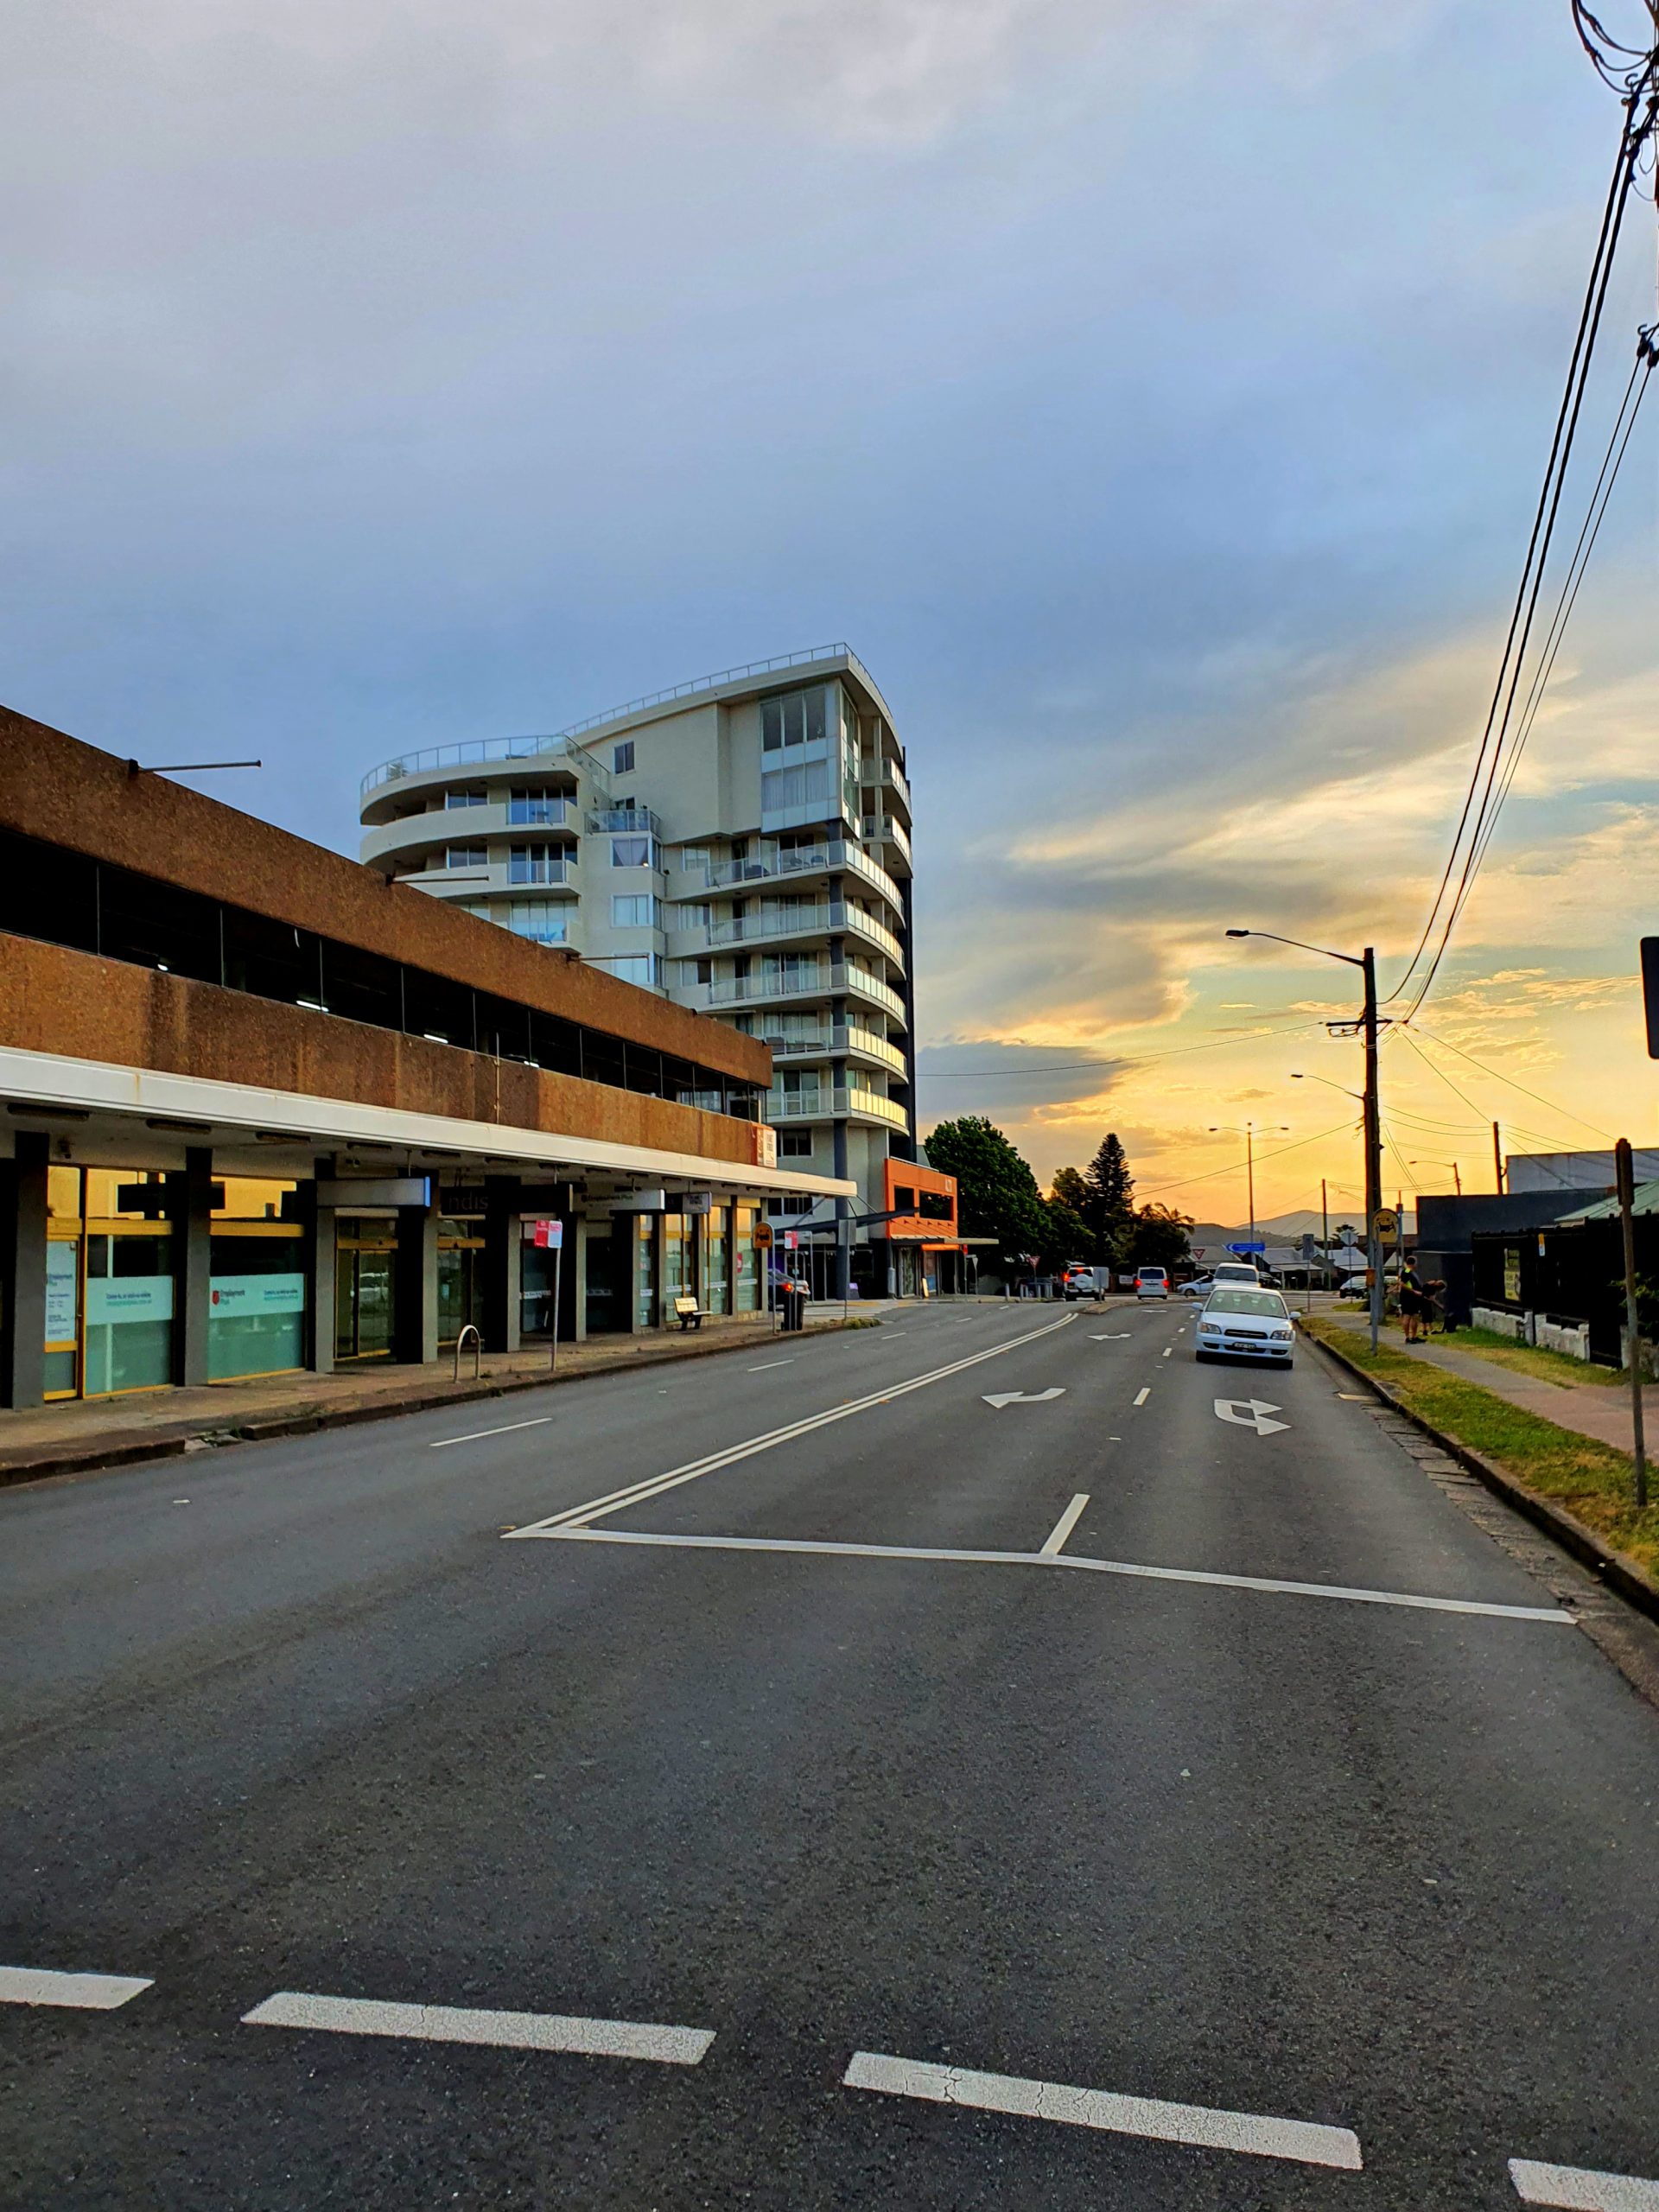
{"points": [[825, 1104], [473, 760], [555, 817], [822, 980], [887, 831], [835, 857], [498, 880], [845, 1041], [830, 920]]}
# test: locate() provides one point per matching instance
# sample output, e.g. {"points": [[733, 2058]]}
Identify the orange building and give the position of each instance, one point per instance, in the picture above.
{"points": [[928, 1255]]}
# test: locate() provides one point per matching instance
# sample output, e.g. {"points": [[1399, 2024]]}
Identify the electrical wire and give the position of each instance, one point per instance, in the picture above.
{"points": [[1237, 1166], [1485, 795], [1565, 1112], [1119, 1060]]}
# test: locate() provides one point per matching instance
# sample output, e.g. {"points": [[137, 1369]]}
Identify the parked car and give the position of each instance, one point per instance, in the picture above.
{"points": [[1079, 1282], [1152, 1282], [1200, 1288], [1239, 1324]]}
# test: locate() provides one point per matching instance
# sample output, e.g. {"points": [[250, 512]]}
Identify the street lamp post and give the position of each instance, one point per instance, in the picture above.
{"points": [[1366, 962], [1457, 1174], [1247, 1133]]}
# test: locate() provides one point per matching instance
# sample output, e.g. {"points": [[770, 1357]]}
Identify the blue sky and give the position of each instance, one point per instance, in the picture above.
{"points": [[1155, 398]]}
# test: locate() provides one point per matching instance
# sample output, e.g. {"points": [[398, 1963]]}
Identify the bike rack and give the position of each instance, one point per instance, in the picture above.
{"points": [[477, 1350]]}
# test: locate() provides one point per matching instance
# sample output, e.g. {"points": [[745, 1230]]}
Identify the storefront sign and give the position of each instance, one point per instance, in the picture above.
{"points": [[62, 1275], [698, 1202], [235, 1296], [765, 1145], [111, 1299]]}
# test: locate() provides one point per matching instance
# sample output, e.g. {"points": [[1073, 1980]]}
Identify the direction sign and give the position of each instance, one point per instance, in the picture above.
{"points": [[1242, 1249], [1250, 1413]]}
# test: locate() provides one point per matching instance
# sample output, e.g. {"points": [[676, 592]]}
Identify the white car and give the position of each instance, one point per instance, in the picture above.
{"points": [[1240, 1324], [1152, 1282], [1200, 1288], [1079, 1283], [1241, 1274]]}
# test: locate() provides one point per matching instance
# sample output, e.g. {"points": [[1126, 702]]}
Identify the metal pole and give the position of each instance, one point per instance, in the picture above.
{"points": [[1373, 1148], [1624, 1170], [1457, 1178], [558, 1260], [1249, 1169], [1498, 1160]]}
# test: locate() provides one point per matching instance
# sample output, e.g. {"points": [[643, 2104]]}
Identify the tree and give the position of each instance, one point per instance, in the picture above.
{"points": [[996, 1192], [1068, 1206], [1110, 1188], [1070, 1189], [1067, 1233], [1158, 1238]]}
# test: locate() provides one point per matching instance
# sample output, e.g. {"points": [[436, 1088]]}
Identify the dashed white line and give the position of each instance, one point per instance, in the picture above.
{"points": [[1141, 1396], [1306, 2142], [1581, 2191], [1166, 1352], [766, 1365], [1067, 1522], [81, 1992], [473, 1434], [355, 2016]]}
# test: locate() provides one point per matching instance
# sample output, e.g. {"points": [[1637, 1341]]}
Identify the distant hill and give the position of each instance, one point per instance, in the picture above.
{"points": [[1281, 1228]]}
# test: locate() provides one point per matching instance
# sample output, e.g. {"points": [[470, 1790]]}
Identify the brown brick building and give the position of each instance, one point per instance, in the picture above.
{"points": [[261, 1110]]}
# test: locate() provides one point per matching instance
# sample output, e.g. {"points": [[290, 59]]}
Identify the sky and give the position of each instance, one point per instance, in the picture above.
{"points": [[1155, 399]]}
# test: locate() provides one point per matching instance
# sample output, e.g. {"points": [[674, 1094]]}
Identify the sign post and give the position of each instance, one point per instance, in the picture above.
{"points": [[763, 1246], [549, 1237], [1625, 1172]]}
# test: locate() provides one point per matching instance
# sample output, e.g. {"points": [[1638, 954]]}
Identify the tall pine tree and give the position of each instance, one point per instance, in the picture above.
{"points": [[1111, 1194]]}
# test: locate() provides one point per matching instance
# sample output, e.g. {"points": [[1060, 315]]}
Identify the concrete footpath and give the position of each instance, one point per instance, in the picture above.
{"points": [[85, 1433], [1600, 1410]]}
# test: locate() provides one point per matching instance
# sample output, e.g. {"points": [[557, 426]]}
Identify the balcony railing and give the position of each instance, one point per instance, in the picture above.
{"points": [[619, 821], [835, 1044], [889, 773], [808, 921], [820, 1105], [480, 751], [815, 860], [520, 748], [887, 830], [821, 980]]}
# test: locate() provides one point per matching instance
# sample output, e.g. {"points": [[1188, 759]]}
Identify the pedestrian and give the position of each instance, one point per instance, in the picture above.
{"points": [[1413, 1300]]}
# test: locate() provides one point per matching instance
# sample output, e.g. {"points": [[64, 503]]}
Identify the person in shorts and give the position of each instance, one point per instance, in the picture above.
{"points": [[1411, 1301]]}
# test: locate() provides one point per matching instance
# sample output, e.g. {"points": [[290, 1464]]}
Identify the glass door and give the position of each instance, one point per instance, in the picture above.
{"points": [[62, 1376], [365, 1252]]}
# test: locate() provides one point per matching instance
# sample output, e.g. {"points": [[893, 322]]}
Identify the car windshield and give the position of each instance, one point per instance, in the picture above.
{"points": [[1249, 1301]]}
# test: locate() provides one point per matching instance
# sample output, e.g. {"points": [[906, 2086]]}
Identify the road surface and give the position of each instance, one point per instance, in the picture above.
{"points": [[760, 1783]]}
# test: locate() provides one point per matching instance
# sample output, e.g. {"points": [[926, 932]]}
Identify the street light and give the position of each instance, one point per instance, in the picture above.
{"points": [[1457, 1178], [1248, 1134], [1366, 962]]}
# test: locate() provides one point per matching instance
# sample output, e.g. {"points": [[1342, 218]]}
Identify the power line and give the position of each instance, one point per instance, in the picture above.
{"points": [[1555, 1107], [1484, 797], [1118, 1060], [1278, 1153]]}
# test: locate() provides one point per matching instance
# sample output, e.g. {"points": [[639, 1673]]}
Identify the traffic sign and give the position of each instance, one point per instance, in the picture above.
{"points": [[1386, 1222], [763, 1236], [791, 1240], [549, 1236], [1242, 1249]]}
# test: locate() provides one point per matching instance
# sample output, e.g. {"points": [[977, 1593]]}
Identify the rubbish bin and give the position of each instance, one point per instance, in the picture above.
{"points": [[794, 1306]]}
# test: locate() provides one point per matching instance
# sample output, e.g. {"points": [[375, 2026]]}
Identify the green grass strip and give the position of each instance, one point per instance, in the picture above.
{"points": [[1593, 1481]]}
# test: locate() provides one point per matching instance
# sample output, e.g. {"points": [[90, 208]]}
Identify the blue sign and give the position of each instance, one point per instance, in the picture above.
{"points": [[1242, 1249]]}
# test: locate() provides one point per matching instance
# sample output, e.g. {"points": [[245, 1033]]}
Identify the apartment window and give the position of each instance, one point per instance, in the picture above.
{"points": [[633, 852], [471, 795], [695, 860], [526, 809], [690, 914], [543, 920], [536, 864], [790, 971], [643, 968], [466, 857], [794, 1144], [796, 719], [622, 757], [480, 909], [633, 912], [796, 1082]]}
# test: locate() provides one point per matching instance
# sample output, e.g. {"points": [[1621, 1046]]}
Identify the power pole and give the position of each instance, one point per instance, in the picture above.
{"points": [[1249, 1169], [1373, 1148], [1498, 1160], [1625, 1172]]}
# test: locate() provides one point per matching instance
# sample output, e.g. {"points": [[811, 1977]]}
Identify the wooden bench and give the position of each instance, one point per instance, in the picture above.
{"points": [[688, 1312]]}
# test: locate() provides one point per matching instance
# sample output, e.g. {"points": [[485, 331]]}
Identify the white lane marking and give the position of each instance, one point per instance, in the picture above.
{"points": [[1251, 1413], [1166, 1352], [81, 1992], [1306, 2141], [355, 2016], [653, 1485], [1000, 1398], [811, 1548], [1141, 1396], [473, 1435], [1118, 1336], [768, 1364], [1580, 2189], [1067, 1522]]}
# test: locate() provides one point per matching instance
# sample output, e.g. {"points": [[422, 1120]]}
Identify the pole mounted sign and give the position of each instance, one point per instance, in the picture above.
{"points": [[763, 1236], [1387, 1221], [549, 1237]]}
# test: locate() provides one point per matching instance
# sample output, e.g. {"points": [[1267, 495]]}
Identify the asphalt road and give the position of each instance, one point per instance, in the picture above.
{"points": [[966, 1878]]}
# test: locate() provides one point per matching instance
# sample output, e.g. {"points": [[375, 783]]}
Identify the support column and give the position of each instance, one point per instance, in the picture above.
{"points": [[575, 1239], [414, 1318], [503, 1240], [194, 1259], [23, 1272]]}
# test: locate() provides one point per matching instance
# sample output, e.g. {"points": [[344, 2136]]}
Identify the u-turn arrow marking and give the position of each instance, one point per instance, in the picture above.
{"points": [[1000, 1398]]}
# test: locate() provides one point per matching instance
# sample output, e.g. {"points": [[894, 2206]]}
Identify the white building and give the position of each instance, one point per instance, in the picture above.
{"points": [[741, 844]]}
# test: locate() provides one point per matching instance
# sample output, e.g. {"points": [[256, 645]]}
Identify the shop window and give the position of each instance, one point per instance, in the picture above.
{"points": [[47, 893], [273, 960], [437, 1009], [158, 926], [362, 986]]}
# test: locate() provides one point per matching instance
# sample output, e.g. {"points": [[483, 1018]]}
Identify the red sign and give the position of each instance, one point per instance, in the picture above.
{"points": [[791, 1240], [549, 1235]]}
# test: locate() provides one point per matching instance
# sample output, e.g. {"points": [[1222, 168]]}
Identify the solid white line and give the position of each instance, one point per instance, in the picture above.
{"points": [[473, 1435], [766, 1365], [1067, 1522], [354, 2015], [653, 1485], [82, 1992], [813, 1548], [1304, 2140], [1142, 1395], [1580, 2189]]}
